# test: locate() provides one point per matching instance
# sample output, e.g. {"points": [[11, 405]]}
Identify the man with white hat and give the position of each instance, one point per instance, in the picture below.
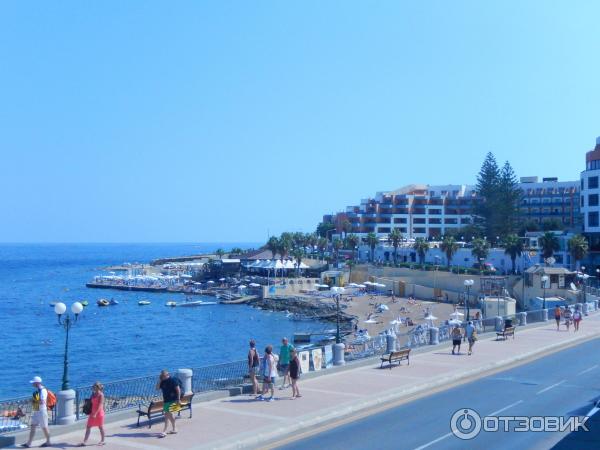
{"points": [[39, 414]]}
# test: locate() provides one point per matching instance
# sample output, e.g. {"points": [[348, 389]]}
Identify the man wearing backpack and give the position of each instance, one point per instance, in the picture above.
{"points": [[39, 415]]}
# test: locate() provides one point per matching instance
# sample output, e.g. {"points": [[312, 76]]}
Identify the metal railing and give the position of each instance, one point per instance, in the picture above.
{"points": [[220, 376], [15, 414]]}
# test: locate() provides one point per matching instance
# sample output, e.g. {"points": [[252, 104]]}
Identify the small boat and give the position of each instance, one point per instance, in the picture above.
{"points": [[171, 304], [84, 302], [113, 302], [143, 302], [103, 302], [197, 303]]}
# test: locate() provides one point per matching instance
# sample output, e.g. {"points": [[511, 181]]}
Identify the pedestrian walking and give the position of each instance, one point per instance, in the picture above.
{"points": [[294, 373], [284, 361], [557, 314], [39, 415], [96, 414], [568, 316], [456, 339], [171, 400], [253, 366], [577, 316], [471, 334]]}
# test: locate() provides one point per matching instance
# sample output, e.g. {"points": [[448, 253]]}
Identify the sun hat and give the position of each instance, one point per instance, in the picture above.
{"points": [[36, 380]]}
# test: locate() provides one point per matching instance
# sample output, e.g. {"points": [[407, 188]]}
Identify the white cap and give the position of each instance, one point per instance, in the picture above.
{"points": [[36, 380]]}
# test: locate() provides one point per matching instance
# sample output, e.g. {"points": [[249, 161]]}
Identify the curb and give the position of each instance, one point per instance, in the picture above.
{"points": [[331, 415]]}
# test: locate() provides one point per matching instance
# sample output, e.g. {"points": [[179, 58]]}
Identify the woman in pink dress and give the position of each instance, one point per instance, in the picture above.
{"points": [[96, 417]]}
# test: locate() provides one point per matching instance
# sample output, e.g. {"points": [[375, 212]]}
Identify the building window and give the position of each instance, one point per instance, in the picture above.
{"points": [[593, 183], [400, 220], [419, 230], [435, 221], [582, 201], [593, 200], [465, 220], [451, 221], [593, 219], [418, 220], [435, 211]]}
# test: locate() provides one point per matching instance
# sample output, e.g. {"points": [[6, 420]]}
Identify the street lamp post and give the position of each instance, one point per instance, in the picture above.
{"points": [[337, 293], [545, 279], [67, 323], [468, 284], [584, 278]]}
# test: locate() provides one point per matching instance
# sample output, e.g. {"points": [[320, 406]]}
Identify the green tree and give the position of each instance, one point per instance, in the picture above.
{"points": [[352, 241], [346, 227], [507, 199], [549, 244], [337, 244], [298, 253], [529, 225], [322, 245], [395, 238], [421, 246], [220, 252], [273, 245], [449, 246], [552, 224], [488, 183], [480, 249], [324, 229], [372, 242], [578, 247], [513, 247], [286, 244]]}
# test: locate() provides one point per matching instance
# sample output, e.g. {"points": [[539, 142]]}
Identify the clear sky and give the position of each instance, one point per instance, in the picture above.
{"points": [[137, 121]]}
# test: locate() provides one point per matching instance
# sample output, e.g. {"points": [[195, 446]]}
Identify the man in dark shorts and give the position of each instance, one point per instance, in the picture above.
{"points": [[171, 398], [557, 313]]}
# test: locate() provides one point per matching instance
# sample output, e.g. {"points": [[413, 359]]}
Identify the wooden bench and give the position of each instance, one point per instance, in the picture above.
{"points": [[396, 356], [508, 331], [155, 409]]}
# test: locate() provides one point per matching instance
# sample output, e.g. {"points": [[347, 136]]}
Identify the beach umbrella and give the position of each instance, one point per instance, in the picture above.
{"points": [[254, 285], [395, 322], [210, 282], [430, 317], [456, 314], [370, 321], [454, 322], [242, 286], [362, 286], [221, 279], [353, 285], [384, 307]]}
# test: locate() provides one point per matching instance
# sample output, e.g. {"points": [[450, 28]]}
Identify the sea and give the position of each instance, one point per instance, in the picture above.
{"points": [[117, 342]]}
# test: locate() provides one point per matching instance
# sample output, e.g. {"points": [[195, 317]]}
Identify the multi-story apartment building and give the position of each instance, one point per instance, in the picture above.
{"points": [[420, 210], [590, 205], [551, 199], [417, 210]]}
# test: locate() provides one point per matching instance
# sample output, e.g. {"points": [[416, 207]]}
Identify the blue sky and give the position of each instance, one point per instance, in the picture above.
{"points": [[137, 121]]}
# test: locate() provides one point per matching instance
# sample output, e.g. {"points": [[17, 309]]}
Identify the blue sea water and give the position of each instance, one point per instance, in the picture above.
{"points": [[116, 342]]}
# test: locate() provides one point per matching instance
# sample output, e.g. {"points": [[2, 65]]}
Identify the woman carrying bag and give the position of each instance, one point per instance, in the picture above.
{"points": [[94, 408]]}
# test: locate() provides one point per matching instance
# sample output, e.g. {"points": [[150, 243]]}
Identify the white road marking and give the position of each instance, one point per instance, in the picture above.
{"points": [[587, 370], [505, 408], [429, 444], [550, 387]]}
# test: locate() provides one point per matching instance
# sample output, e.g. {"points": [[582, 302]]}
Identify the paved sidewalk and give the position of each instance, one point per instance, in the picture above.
{"points": [[241, 421]]}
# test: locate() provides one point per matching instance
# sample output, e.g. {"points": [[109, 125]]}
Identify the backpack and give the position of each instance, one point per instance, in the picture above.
{"points": [[50, 399]]}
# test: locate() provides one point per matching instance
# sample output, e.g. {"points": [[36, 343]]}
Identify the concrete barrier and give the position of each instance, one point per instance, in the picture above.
{"points": [[522, 316], [434, 336]]}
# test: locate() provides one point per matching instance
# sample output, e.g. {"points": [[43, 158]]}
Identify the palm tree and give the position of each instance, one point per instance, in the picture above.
{"points": [[346, 227], [395, 237], [421, 246], [549, 244], [337, 245], [449, 246], [311, 241], [220, 252], [578, 246], [322, 245], [298, 254], [286, 243], [352, 240], [372, 242], [273, 245], [480, 250], [513, 247]]}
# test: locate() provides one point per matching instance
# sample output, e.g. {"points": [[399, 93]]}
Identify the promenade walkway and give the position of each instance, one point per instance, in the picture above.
{"points": [[244, 422]]}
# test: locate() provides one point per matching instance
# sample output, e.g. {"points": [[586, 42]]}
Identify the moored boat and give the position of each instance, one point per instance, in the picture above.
{"points": [[103, 302], [196, 303], [171, 304], [143, 302]]}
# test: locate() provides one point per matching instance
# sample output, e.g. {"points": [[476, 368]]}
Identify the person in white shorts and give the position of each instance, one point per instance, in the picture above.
{"points": [[39, 414]]}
